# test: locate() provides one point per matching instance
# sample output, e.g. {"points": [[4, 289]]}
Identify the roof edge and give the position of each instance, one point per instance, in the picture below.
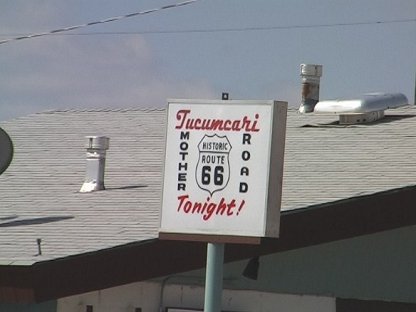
{"points": [[124, 264]]}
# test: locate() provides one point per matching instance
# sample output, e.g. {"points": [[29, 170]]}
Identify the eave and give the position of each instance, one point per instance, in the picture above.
{"points": [[156, 258]]}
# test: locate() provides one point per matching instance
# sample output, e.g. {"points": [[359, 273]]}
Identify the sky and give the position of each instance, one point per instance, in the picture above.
{"points": [[250, 49]]}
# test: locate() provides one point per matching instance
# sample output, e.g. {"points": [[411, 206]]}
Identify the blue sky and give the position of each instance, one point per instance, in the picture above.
{"points": [[89, 69]]}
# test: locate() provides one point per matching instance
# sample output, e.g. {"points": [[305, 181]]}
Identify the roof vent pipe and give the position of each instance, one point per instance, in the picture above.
{"points": [[311, 75], [96, 152]]}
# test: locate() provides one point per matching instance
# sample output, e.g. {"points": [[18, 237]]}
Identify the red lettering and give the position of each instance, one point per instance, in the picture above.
{"points": [[198, 124], [227, 125], [181, 117], [230, 208], [208, 209], [245, 124], [181, 201]]}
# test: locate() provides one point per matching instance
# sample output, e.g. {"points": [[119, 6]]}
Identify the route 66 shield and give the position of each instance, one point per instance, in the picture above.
{"points": [[213, 169]]}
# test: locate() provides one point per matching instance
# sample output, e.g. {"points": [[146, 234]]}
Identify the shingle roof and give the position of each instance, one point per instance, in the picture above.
{"points": [[48, 170], [39, 196], [325, 161]]}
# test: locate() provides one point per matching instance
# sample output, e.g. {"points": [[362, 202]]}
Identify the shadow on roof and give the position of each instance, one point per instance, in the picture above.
{"points": [[125, 187], [33, 221]]}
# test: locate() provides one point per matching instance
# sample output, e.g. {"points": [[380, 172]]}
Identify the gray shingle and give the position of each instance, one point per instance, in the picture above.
{"points": [[48, 170], [39, 195]]}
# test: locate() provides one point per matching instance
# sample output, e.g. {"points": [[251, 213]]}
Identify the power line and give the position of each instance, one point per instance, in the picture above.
{"points": [[260, 28], [236, 29], [107, 20], [241, 29]]}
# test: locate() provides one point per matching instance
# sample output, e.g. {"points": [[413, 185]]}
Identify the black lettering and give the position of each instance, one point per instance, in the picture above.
{"points": [[185, 135], [246, 138], [181, 176], [184, 146], [244, 171], [245, 155], [183, 166], [243, 187], [183, 154]]}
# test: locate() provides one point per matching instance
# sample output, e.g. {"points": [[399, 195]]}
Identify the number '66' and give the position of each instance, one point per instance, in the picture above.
{"points": [[218, 175]]}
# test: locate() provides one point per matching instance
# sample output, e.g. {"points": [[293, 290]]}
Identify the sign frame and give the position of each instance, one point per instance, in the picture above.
{"points": [[242, 121]]}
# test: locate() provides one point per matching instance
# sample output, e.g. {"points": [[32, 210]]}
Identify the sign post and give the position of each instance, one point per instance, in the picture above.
{"points": [[223, 177], [213, 279]]}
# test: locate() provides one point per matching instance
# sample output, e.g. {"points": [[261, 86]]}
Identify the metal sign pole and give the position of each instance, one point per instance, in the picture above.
{"points": [[214, 276]]}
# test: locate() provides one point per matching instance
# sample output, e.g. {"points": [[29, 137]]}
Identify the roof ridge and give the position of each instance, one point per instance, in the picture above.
{"points": [[101, 110], [82, 110]]}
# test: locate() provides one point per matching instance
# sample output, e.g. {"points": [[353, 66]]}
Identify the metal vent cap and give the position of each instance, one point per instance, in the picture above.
{"points": [[97, 142]]}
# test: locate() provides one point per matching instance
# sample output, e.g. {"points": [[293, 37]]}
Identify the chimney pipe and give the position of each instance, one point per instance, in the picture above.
{"points": [[96, 152], [311, 75]]}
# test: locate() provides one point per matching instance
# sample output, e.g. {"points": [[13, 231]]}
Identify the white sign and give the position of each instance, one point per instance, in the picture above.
{"points": [[223, 167]]}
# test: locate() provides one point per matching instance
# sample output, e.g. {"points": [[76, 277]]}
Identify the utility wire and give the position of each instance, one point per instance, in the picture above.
{"points": [[236, 29], [63, 31], [239, 29], [108, 20], [259, 28]]}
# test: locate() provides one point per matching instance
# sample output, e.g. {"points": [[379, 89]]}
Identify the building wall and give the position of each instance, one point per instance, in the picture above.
{"points": [[146, 296], [123, 298], [379, 267]]}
